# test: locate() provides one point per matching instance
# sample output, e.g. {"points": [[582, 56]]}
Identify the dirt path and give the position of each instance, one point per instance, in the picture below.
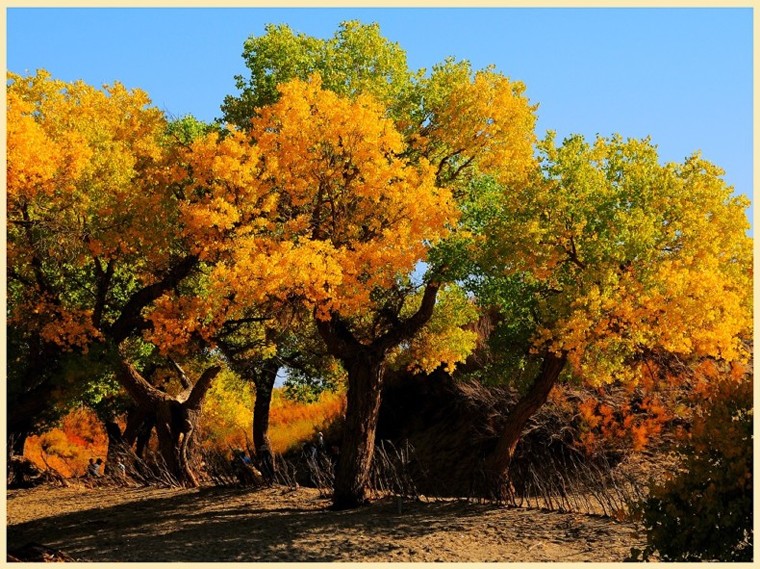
{"points": [[276, 524]]}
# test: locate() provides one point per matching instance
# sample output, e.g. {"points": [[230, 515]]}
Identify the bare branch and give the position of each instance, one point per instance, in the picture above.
{"points": [[182, 375]]}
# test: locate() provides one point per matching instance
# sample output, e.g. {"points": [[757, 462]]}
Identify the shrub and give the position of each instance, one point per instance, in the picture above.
{"points": [[704, 511], [292, 423], [68, 447]]}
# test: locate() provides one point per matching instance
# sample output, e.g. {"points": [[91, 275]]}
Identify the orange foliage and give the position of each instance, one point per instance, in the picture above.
{"points": [[87, 171], [316, 203], [68, 447], [633, 422], [664, 396], [293, 423]]}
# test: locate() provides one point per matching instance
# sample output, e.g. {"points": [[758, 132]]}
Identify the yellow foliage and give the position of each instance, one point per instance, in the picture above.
{"points": [[293, 423], [629, 257], [482, 118], [444, 340], [225, 422], [87, 191], [315, 203]]}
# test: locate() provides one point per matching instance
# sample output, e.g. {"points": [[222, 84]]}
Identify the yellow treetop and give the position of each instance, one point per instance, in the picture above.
{"points": [[629, 258], [316, 202], [87, 201]]}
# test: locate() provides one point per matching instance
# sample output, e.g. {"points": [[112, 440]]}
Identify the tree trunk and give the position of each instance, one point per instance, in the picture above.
{"points": [[17, 442], [140, 423], [175, 418], [264, 382], [365, 365], [29, 406], [365, 377], [498, 463], [168, 444], [116, 446]]}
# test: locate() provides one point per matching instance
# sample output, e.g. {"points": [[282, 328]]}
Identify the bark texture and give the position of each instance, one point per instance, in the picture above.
{"points": [[366, 371], [264, 381]]}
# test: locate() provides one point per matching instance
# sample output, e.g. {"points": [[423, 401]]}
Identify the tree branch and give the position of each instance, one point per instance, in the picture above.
{"points": [[200, 388], [182, 375], [444, 160], [130, 319], [136, 385], [409, 327], [102, 282], [572, 254], [339, 339]]}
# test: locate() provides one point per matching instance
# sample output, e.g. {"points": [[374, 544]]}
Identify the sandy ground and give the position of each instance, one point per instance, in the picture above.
{"points": [[279, 524]]}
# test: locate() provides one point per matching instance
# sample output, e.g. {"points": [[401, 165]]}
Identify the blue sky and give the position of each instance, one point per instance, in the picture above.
{"points": [[682, 76]]}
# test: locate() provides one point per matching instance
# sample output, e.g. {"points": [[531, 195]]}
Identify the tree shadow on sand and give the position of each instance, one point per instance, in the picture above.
{"points": [[217, 524]]}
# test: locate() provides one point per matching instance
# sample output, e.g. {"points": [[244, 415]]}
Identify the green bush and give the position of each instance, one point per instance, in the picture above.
{"points": [[703, 512]]}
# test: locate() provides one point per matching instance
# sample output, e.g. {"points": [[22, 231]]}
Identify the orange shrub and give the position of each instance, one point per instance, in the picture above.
{"points": [[626, 423], [68, 447]]}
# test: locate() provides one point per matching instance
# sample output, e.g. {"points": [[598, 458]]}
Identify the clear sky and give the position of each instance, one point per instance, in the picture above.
{"points": [[682, 76]]}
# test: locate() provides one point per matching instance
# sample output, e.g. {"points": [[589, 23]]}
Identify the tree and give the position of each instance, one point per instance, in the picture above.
{"points": [[357, 210], [610, 263], [48, 229], [93, 235], [368, 197], [175, 416], [345, 217], [357, 59], [256, 347]]}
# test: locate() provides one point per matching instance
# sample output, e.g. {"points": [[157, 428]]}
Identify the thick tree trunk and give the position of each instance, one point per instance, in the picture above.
{"points": [[168, 444], [175, 418], [365, 379], [17, 441], [365, 365], [175, 426], [28, 406], [264, 382], [116, 445], [140, 423], [497, 465]]}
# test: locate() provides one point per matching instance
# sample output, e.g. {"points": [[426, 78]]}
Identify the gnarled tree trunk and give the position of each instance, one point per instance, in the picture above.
{"points": [[140, 424], [176, 417], [365, 370]]}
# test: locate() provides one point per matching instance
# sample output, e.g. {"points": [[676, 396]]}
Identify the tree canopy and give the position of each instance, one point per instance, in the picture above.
{"points": [[621, 259], [385, 209]]}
